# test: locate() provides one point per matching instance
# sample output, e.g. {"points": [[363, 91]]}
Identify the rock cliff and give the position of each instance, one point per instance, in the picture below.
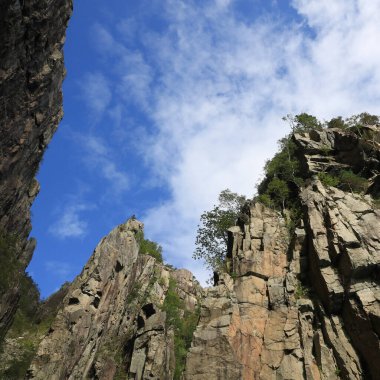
{"points": [[301, 304], [31, 74], [117, 319]]}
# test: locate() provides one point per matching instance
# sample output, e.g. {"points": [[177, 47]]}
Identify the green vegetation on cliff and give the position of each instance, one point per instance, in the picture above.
{"points": [[183, 323], [31, 322], [149, 247]]}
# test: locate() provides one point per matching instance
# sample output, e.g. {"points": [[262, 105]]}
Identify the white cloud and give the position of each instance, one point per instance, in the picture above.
{"points": [[135, 79], [222, 86], [134, 74], [96, 92], [99, 158], [70, 224], [60, 269]]}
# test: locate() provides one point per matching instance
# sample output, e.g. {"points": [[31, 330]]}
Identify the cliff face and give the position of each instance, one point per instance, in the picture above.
{"points": [[31, 74], [265, 324]]}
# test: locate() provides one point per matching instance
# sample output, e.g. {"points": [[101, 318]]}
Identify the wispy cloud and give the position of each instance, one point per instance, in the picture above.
{"points": [[60, 269], [97, 94], [99, 158], [71, 224]]}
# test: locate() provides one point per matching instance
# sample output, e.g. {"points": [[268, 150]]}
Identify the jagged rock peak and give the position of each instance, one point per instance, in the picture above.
{"points": [[113, 321]]}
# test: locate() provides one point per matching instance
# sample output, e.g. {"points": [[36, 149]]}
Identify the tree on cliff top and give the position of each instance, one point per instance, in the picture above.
{"points": [[211, 239]]}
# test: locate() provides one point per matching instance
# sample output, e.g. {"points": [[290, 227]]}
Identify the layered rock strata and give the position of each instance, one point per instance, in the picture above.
{"points": [[32, 34], [112, 324]]}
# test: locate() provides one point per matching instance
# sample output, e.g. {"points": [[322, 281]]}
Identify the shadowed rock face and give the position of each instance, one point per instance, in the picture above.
{"points": [[31, 74]]}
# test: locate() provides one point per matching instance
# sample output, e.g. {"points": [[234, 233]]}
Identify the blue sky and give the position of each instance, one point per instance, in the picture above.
{"points": [[168, 102]]}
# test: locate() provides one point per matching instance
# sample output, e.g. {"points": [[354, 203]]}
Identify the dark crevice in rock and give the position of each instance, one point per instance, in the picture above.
{"points": [[118, 266], [148, 310], [255, 274], [140, 322], [73, 301], [96, 302]]}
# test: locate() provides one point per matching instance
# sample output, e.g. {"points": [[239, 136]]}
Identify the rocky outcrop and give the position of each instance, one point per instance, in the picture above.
{"points": [[344, 235], [296, 303], [333, 148], [31, 74], [112, 322]]}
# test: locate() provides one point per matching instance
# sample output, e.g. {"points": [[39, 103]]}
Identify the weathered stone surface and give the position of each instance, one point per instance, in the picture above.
{"points": [[31, 74], [267, 323]]}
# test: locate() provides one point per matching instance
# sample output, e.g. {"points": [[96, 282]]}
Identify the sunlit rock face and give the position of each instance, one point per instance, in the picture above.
{"points": [[32, 34], [112, 323]]}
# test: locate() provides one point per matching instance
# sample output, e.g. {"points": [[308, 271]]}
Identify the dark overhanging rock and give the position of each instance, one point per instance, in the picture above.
{"points": [[31, 73]]}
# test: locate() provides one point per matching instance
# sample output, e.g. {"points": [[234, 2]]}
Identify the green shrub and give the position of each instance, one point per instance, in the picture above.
{"points": [[19, 365], [278, 191], [212, 235], [149, 247], [282, 179], [306, 122], [293, 219], [328, 180], [283, 175], [26, 330], [265, 199], [346, 180], [326, 150], [337, 122], [349, 181], [301, 291], [303, 122], [361, 120]]}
